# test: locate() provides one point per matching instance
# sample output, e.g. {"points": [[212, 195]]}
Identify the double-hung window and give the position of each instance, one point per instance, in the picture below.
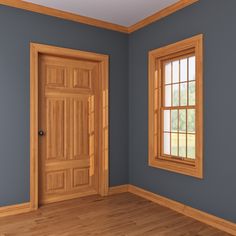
{"points": [[175, 107]]}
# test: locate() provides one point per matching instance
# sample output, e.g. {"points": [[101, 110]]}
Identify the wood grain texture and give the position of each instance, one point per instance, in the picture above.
{"points": [[121, 214], [34, 127], [161, 14], [206, 218], [155, 126], [68, 157], [95, 22], [71, 151], [118, 189], [14, 209]]}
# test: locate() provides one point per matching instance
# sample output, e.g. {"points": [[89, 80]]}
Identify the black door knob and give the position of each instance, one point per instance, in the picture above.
{"points": [[41, 133]]}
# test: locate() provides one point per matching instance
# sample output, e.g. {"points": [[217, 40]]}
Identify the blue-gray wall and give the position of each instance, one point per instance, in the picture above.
{"points": [[19, 28], [216, 193]]}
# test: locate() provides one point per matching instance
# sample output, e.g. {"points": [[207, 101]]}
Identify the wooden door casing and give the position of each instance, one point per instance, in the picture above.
{"points": [[68, 108]]}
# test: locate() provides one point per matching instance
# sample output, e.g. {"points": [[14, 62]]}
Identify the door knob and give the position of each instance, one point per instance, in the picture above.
{"points": [[41, 133]]}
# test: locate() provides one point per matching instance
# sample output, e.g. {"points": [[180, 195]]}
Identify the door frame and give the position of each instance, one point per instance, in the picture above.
{"points": [[103, 121]]}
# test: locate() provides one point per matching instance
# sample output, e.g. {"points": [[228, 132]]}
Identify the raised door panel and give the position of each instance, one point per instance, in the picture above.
{"points": [[55, 181], [54, 72], [91, 127], [56, 129], [80, 129], [82, 79], [55, 76], [81, 177]]}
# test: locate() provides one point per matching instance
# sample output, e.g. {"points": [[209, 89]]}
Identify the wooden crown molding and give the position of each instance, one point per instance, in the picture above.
{"points": [[95, 22], [63, 15], [161, 14]]}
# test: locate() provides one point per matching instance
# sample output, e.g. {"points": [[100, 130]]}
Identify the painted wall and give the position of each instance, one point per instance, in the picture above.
{"points": [[216, 193], [18, 29]]}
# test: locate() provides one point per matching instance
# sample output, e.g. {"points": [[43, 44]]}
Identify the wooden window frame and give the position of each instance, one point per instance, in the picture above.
{"points": [[155, 159]]}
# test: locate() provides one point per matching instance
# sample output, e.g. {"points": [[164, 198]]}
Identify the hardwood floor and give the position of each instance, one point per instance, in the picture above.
{"points": [[121, 214]]}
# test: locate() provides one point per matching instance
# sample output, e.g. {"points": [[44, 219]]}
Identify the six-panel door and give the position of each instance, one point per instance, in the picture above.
{"points": [[68, 163]]}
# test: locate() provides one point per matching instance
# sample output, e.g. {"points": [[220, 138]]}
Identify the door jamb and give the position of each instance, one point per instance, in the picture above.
{"points": [[103, 60]]}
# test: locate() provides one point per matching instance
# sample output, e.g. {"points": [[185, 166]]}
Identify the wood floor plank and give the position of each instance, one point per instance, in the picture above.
{"points": [[117, 215]]}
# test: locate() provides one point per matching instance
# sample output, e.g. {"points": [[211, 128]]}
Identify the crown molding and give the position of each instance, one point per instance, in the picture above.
{"points": [[63, 15], [161, 14], [95, 22]]}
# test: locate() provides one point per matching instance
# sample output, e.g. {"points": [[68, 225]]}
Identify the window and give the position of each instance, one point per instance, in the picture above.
{"points": [[175, 107]]}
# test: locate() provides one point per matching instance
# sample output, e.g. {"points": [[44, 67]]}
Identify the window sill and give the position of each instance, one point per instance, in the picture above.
{"points": [[178, 167]]}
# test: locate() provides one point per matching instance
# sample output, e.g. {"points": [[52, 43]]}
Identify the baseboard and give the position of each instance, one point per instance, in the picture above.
{"points": [[206, 218], [25, 207], [118, 189], [15, 209]]}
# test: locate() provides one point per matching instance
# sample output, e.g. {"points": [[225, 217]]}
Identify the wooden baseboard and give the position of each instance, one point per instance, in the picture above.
{"points": [[15, 209], [118, 189], [206, 218]]}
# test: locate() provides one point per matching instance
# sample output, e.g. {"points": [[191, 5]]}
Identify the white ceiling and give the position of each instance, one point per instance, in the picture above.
{"points": [[122, 12]]}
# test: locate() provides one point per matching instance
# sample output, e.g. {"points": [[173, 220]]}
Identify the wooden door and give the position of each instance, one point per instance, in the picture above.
{"points": [[68, 143]]}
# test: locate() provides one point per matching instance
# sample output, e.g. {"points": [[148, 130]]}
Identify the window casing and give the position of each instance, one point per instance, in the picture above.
{"points": [[175, 107]]}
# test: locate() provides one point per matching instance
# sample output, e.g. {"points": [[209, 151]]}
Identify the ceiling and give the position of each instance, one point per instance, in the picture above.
{"points": [[121, 12]]}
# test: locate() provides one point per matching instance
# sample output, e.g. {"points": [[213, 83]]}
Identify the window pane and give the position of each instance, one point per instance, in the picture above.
{"points": [[174, 144], [191, 68], [175, 69], [183, 70], [174, 120], [176, 95], [191, 90], [168, 73], [182, 120], [182, 145], [167, 120], [167, 143], [191, 120], [168, 95], [191, 146], [183, 94]]}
